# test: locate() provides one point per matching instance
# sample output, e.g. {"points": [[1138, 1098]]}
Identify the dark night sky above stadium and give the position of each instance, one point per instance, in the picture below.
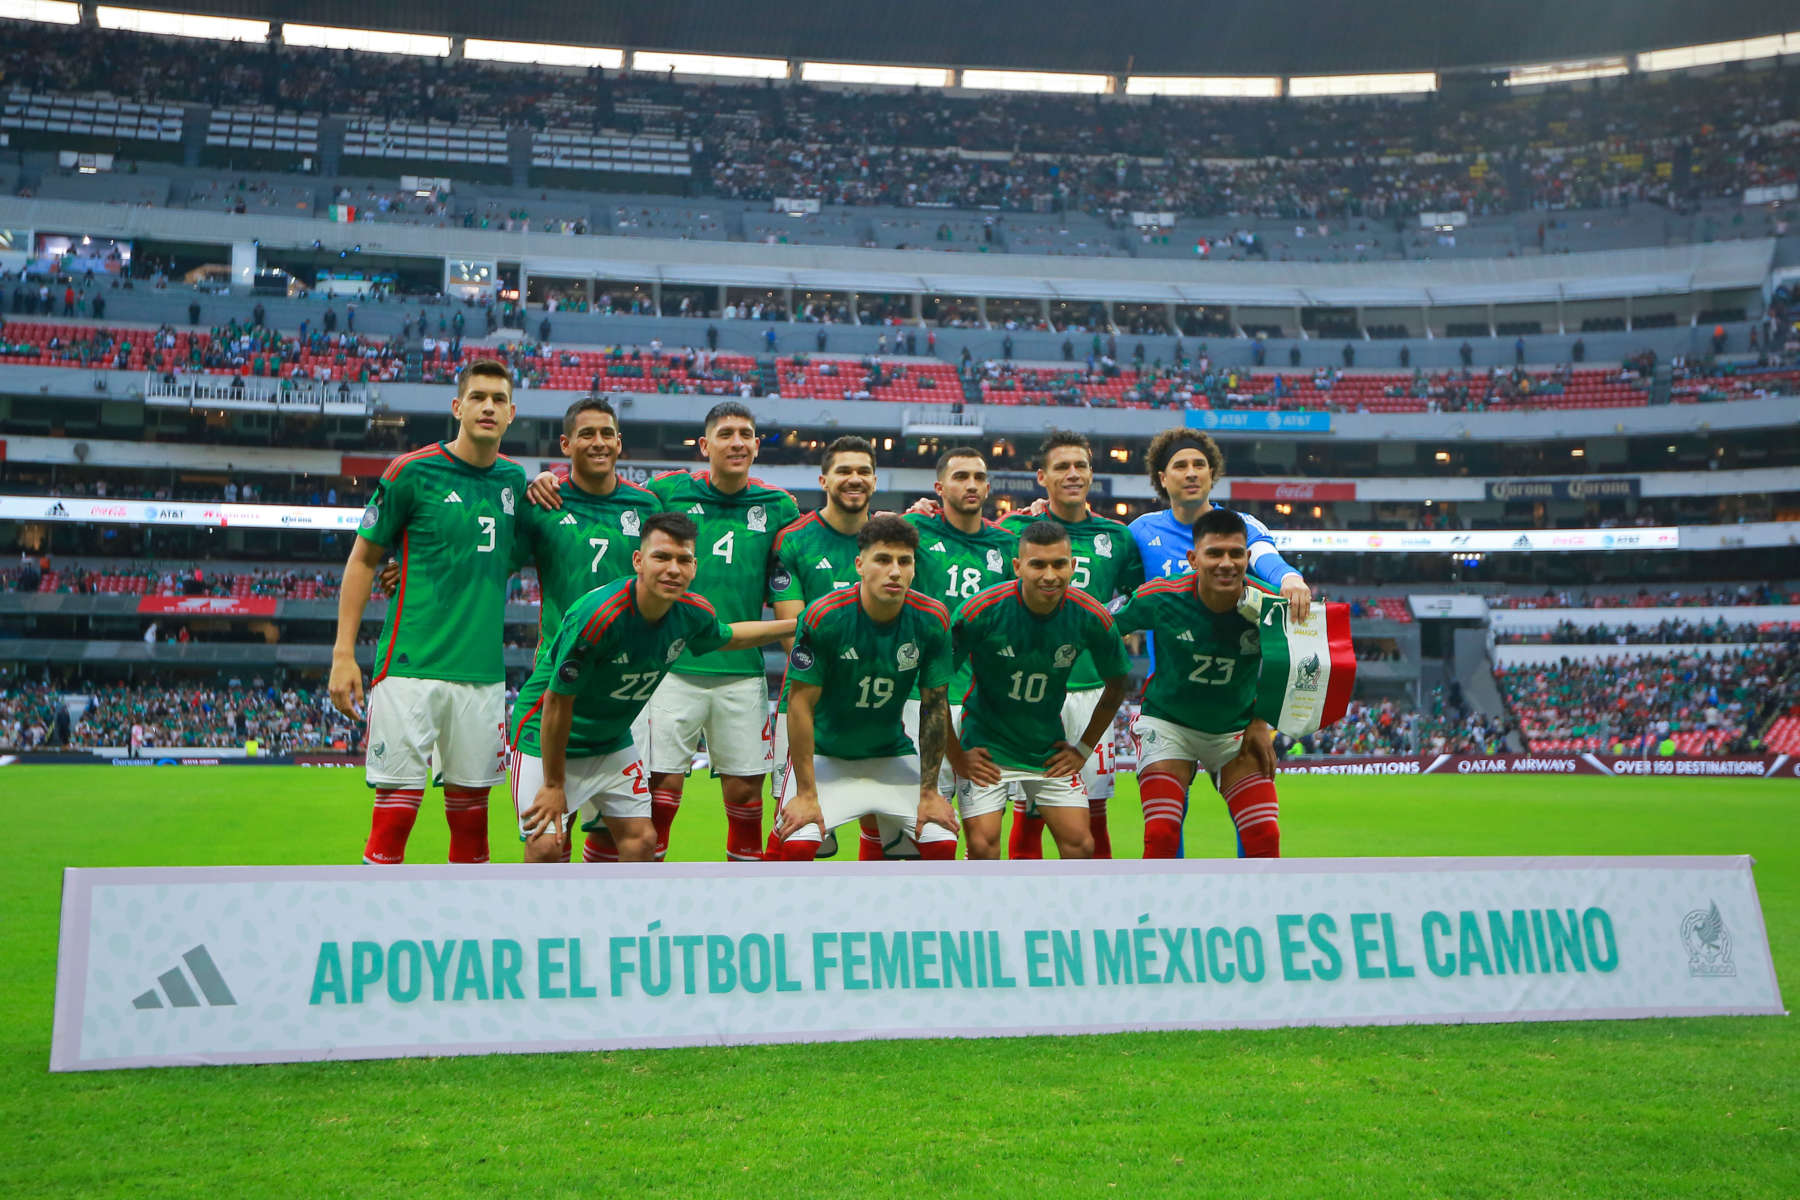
{"points": [[1148, 36]]}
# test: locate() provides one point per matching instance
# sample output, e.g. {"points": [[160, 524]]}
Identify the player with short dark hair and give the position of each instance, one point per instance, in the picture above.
{"points": [[1106, 565], [1202, 696], [439, 685], [851, 758], [1023, 639], [574, 749]]}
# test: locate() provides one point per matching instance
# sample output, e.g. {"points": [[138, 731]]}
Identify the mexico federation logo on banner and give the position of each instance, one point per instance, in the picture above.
{"points": [[1307, 679], [1708, 943]]}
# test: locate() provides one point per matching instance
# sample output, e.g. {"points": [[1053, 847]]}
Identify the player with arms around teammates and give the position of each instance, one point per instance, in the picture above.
{"points": [[723, 695], [1106, 565], [814, 556], [1023, 638], [1201, 698], [447, 511], [858, 654], [572, 734]]}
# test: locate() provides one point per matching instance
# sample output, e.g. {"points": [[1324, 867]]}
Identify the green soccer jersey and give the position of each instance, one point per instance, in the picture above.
{"points": [[610, 657], [1023, 663], [581, 546], [953, 565], [452, 527], [736, 549], [1207, 663], [811, 561], [1107, 564], [866, 670]]}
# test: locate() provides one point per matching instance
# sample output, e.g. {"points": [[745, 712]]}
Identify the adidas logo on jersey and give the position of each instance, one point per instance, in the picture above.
{"points": [[1184, 636], [1156, 541], [568, 519], [849, 655], [937, 548], [824, 564], [696, 511], [623, 657], [1006, 652], [453, 498]]}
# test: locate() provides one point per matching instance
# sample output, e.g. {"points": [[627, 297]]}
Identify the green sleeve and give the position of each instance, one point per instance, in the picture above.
{"points": [[1131, 567], [784, 573], [389, 511], [788, 512], [1110, 660], [570, 651], [525, 536], [1139, 613], [963, 635], [937, 666], [806, 662]]}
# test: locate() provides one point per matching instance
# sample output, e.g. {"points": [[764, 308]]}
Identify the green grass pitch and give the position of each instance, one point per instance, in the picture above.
{"points": [[1642, 1108]]}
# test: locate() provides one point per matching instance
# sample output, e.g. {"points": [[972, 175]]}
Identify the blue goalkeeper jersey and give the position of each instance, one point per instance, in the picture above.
{"points": [[1163, 544]]}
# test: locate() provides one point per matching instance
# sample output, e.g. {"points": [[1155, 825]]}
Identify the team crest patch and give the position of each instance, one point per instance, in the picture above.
{"points": [[371, 515], [994, 562], [757, 519], [570, 671], [907, 657], [1065, 655], [1308, 679], [1249, 643], [802, 657], [675, 649], [506, 501], [1708, 943], [1103, 545], [1117, 604], [780, 580], [628, 521]]}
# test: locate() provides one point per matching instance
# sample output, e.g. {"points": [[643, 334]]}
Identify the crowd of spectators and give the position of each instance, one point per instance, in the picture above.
{"points": [[1646, 597], [1386, 728], [1663, 633], [280, 716]]}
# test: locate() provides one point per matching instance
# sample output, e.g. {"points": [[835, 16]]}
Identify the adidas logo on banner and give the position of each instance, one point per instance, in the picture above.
{"points": [[1006, 652], [1522, 542], [453, 498], [849, 655], [180, 993], [1184, 636], [937, 547], [696, 511], [623, 657], [568, 519]]}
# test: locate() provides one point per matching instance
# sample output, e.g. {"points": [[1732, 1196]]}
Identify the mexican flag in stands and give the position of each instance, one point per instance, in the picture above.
{"points": [[342, 212], [1308, 669]]}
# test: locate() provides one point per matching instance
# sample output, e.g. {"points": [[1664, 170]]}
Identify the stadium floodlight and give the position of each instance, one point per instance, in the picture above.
{"points": [[658, 62], [373, 41], [1307, 86], [1678, 58], [826, 72], [543, 54], [1570, 71], [1261, 87], [174, 24], [1035, 81], [54, 12]]}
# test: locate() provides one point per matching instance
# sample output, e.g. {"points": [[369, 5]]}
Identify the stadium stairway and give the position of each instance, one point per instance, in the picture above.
{"points": [[1474, 670]]}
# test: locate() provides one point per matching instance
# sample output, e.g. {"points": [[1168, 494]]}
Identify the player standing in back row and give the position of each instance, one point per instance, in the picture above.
{"points": [[723, 695], [439, 684], [1022, 639], [1106, 565]]}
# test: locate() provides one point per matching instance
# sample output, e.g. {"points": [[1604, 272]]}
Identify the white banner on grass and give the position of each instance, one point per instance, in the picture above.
{"points": [[164, 967]]}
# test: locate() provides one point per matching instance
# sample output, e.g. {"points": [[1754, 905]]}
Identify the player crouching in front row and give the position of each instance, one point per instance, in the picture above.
{"points": [[867, 646], [571, 732], [1202, 695]]}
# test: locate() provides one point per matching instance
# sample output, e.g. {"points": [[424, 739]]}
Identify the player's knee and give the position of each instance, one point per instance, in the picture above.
{"points": [[1075, 844], [636, 845], [546, 848]]}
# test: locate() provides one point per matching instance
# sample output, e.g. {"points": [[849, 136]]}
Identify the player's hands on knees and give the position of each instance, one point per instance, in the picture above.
{"points": [[346, 687], [1065, 762], [544, 492], [925, 506], [1258, 748], [978, 766], [935, 810], [1299, 598], [797, 812], [548, 808]]}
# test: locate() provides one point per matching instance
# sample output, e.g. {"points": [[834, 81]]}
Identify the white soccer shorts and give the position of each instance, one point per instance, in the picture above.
{"points": [[595, 786], [884, 788], [731, 710], [1165, 741], [411, 719], [909, 720], [1097, 771], [1063, 791]]}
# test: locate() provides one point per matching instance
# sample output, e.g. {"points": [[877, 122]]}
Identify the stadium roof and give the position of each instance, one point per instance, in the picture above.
{"points": [[1279, 37]]}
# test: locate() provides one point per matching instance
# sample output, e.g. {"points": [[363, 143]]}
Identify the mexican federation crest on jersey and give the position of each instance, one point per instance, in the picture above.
{"points": [[757, 519], [675, 649], [1103, 545], [994, 561], [506, 501], [1065, 655], [628, 522], [907, 656]]}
